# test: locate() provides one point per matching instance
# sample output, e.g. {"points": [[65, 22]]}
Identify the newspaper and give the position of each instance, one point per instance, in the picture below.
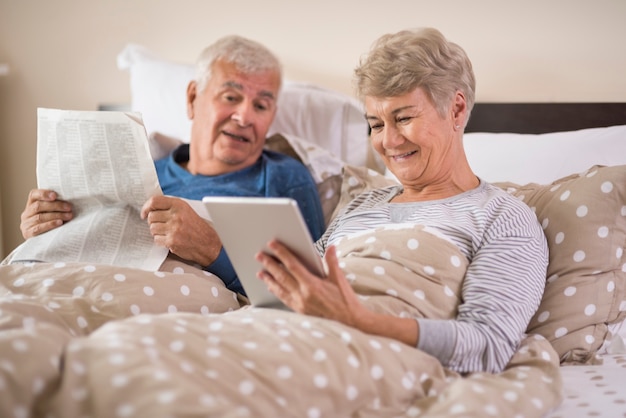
{"points": [[99, 161]]}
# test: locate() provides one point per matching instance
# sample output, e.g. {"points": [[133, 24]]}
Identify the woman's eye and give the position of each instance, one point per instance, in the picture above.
{"points": [[376, 126], [403, 119]]}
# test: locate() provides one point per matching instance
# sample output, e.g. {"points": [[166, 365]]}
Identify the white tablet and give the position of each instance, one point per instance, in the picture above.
{"points": [[245, 226]]}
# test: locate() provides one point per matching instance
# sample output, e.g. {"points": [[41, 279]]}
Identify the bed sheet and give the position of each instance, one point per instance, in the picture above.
{"points": [[594, 390], [82, 340]]}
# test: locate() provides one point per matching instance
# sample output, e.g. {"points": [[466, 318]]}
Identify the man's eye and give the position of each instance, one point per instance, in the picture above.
{"points": [[261, 106], [404, 119]]}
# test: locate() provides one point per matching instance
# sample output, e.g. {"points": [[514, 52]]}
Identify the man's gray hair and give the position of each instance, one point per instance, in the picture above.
{"points": [[247, 55]]}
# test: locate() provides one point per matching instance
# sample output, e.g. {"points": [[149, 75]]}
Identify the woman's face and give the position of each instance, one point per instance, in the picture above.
{"points": [[416, 144]]}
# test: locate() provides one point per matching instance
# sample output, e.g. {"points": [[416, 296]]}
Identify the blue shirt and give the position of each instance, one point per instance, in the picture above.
{"points": [[273, 175]]}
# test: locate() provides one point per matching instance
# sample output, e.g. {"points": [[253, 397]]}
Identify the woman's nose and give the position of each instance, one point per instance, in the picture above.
{"points": [[391, 137]]}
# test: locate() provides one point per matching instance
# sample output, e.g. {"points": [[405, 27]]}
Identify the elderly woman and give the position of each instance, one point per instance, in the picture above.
{"points": [[418, 91]]}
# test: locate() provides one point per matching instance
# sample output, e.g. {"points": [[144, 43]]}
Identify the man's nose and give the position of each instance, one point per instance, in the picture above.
{"points": [[243, 114]]}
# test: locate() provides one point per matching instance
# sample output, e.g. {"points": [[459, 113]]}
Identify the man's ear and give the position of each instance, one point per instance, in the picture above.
{"points": [[192, 92]]}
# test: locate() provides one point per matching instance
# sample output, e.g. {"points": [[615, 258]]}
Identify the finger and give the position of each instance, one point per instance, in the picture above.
{"points": [[271, 282], [146, 208], [41, 216], [38, 207], [277, 272], [31, 228], [157, 216], [158, 228], [40, 228], [162, 241], [332, 262], [153, 204], [335, 273], [157, 203], [289, 261], [41, 194], [57, 207], [270, 264], [281, 292]]}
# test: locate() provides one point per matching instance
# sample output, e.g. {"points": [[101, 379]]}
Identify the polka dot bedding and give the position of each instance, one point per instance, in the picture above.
{"points": [[584, 219], [584, 305], [89, 340]]}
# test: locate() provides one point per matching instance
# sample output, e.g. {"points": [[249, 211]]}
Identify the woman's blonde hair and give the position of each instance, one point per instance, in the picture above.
{"points": [[398, 63]]}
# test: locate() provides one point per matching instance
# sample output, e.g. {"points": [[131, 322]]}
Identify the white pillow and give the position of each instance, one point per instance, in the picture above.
{"points": [[327, 118], [158, 90], [543, 158]]}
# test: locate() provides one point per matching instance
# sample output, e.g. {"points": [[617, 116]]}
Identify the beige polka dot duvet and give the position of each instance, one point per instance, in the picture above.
{"points": [[81, 340]]}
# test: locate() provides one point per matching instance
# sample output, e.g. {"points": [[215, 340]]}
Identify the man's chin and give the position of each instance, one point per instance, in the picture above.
{"points": [[238, 159]]}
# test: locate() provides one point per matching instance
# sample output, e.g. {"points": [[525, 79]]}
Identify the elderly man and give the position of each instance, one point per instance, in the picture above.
{"points": [[232, 103]]}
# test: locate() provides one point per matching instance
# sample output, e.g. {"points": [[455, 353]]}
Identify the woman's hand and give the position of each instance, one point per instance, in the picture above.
{"points": [[328, 297]]}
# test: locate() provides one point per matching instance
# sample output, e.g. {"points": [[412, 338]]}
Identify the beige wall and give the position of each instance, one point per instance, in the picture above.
{"points": [[61, 53]]}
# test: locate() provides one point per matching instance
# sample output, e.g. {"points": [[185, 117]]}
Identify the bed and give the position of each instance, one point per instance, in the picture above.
{"points": [[595, 133], [82, 339]]}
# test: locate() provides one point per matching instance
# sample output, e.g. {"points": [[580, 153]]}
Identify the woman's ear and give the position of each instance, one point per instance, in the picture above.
{"points": [[192, 93], [459, 109]]}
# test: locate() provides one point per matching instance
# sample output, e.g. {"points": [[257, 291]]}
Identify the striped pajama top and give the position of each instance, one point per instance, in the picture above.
{"points": [[505, 279]]}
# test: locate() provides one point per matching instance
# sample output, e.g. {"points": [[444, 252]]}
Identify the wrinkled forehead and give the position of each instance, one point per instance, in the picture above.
{"points": [[264, 84], [377, 107]]}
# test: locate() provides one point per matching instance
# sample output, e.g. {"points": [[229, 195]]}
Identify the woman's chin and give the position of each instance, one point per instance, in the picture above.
{"points": [[396, 174]]}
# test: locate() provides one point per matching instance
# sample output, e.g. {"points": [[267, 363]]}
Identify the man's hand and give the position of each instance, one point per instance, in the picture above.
{"points": [[175, 225], [43, 212]]}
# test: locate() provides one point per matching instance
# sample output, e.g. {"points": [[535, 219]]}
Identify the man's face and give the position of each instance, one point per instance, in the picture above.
{"points": [[230, 118]]}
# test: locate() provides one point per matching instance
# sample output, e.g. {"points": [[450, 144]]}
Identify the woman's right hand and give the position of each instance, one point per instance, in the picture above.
{"points": [[43, 212]]}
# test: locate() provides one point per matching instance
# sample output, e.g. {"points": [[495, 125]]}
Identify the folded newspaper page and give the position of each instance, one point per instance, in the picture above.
{"points": [[100, 161]]}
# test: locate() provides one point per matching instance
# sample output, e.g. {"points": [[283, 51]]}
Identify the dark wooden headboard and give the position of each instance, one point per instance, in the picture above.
{"points": [[536, 118]]}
